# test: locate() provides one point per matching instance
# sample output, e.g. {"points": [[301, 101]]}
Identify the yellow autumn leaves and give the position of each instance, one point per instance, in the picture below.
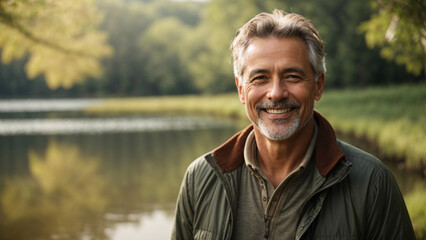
{"points": [[59, 37]]}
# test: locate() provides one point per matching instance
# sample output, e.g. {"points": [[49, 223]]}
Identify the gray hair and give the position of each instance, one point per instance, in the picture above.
{"points": [[279, 24]]}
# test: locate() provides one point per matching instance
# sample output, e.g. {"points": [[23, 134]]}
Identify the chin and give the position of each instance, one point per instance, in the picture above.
{"points": [[279, 133]]}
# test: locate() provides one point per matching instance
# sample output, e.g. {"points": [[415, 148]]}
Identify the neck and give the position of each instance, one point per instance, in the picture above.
{"points": [[277, 159]]}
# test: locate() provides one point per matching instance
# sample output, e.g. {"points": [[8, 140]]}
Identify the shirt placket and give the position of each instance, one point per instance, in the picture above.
{"points": [[271, 207]]}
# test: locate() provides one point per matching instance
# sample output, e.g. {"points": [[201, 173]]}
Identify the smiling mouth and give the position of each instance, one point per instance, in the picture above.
{"points": [[278, 111]]}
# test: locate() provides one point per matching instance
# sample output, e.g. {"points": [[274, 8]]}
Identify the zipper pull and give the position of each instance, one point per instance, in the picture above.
{"points": [[266, 235]]}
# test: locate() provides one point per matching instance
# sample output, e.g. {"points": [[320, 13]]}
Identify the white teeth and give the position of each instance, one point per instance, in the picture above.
{"points": [[278, 111]]}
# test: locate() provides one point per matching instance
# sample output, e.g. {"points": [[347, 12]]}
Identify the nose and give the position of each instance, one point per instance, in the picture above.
{"points": [[277, 90]]}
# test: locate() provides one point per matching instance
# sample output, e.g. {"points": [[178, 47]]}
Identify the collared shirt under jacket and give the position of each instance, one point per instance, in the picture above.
{"points": [[358, 197]]}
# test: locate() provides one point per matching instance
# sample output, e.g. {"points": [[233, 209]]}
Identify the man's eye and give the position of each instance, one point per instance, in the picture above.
{"points": [[292, 78], [259, 79]]}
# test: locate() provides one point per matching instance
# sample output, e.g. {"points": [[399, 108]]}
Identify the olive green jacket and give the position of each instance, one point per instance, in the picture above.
{"points": [[357, 198]]}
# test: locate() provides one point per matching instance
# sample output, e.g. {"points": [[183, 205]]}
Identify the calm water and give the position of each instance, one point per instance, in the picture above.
{"points": [[64, 176]]}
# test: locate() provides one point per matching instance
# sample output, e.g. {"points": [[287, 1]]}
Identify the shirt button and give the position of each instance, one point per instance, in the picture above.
{"points": [[264, 199]]}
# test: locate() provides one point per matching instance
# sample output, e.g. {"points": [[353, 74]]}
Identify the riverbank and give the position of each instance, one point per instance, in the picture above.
{"points": [[394, 118]]}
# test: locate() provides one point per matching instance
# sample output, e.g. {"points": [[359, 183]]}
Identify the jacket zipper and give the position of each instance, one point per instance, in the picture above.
{"points": [[338, 179], [267, 227], [328, 185], [210, 160]]}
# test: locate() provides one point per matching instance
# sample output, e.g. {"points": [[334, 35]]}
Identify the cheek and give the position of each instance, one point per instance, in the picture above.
{"points": [[250, 94], [309, 102], [300, 92], [255, 93], [305, 95]]}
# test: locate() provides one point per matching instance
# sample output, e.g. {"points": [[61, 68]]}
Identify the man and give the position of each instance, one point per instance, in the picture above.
{"points": [[286, 176]]}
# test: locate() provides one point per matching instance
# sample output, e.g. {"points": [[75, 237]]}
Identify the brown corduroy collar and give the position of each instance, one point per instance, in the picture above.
{"points": [[230, 155]]}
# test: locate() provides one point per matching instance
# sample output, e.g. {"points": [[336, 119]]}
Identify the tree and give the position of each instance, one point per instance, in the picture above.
{"points": [[162, 43], [349, 61], [399, 28], [147, 39], [59, 36], [210, 58]]}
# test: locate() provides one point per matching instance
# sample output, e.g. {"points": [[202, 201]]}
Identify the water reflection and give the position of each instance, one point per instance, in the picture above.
{"points": [[104, 125], [157, 225], [45, 105], [105, 185], [63, 189], [96, 186]]}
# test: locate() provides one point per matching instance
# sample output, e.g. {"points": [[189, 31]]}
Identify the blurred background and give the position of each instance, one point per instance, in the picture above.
{"points": [[104, 103]]}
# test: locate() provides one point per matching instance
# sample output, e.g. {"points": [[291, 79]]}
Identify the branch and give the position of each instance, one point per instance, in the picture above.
{"points": [[8, 20]]}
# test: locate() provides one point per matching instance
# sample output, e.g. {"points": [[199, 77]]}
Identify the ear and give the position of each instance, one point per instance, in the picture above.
{"points": [[319, 87], [240, 90]]}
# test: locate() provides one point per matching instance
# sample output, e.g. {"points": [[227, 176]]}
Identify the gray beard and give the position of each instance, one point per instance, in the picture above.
{"points": [[281, 134], [278, 134]]}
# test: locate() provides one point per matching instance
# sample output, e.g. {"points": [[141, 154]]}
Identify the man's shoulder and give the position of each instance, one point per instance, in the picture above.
{"points": [[200, 164], [364, 164], [357, 155], [368, 197]]}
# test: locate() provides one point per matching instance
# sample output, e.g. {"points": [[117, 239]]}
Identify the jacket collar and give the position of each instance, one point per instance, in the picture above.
{"points": [[230, 155]]}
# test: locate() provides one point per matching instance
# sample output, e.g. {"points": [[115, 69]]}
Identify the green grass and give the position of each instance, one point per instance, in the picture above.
{"points": [[416, 206], [226, 105], [393, 117]]}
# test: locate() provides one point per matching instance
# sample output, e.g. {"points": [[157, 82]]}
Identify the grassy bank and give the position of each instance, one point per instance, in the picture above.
{"points": [[416, 206], [392, 117], [226, 105]]}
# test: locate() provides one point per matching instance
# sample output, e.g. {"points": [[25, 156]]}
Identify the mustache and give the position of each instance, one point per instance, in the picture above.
{"points": [[278, 104]]}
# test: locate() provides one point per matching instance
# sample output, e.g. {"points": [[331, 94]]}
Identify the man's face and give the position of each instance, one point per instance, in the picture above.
{"points": [[278, 87]]}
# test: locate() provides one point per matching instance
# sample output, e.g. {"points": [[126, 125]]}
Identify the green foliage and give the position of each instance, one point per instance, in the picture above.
{"points": [[349, 61], [59, 36], [164, 47], [150, 45], [210, 64], [163, 42], [399, 29], [124, 23]]}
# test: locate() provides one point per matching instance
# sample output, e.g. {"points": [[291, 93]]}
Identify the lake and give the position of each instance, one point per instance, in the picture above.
{"points": [[64, 175]]}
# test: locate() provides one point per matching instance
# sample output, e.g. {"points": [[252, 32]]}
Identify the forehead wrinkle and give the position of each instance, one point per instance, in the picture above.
{"points": [[257, 54]]}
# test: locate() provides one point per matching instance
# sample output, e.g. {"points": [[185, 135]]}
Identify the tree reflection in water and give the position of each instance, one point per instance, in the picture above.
{"points": [[62, 193], [95, 186], [101, 186]]}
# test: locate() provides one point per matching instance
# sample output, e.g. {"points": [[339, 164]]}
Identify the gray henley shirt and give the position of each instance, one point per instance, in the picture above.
{"points": [[267, 213]]}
